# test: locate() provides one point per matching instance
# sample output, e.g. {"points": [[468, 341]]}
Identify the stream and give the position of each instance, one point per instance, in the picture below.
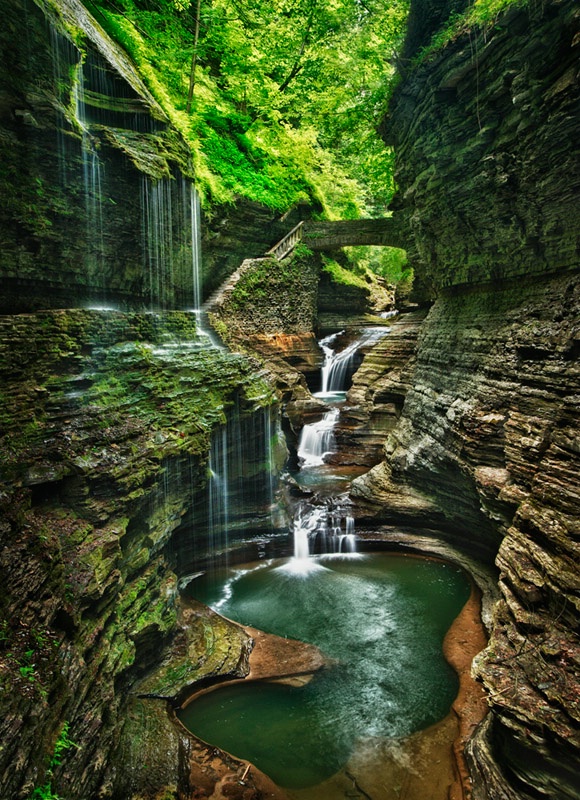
{"points": [[379, 619]]}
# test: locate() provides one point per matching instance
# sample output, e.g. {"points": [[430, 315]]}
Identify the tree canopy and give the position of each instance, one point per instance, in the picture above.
{"points": [[280, 99]]}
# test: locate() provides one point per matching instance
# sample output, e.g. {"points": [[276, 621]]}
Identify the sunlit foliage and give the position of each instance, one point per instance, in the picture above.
{"points": [[287, 94]]}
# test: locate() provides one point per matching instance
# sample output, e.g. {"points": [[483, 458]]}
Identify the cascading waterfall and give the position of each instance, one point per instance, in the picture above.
{"points": [[330, 359], [317, 439], [322, 529], [327, 527], [338, 365]]}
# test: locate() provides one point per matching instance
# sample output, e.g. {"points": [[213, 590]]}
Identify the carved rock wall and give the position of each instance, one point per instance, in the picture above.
{"points": [[105, 429], [486, 447], [379, 387]]}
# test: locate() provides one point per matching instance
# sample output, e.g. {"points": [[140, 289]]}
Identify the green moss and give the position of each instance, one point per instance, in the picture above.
{"points": [[341, 275], [266, 276], [125, 392], [481, 14], [214, 646]]}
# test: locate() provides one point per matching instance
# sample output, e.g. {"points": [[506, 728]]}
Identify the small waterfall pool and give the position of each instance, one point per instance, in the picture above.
{"points": [[380, 618]]}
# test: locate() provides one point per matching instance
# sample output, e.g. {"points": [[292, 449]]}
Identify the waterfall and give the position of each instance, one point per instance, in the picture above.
{"points": [[320, 530], [269, 435], [63, 53], [339, 365], [219, 494], [171, 244], [237, 507], [161, 214], [204, 331], [195, 228], [92, 176], [330, 359], [317, 439]]}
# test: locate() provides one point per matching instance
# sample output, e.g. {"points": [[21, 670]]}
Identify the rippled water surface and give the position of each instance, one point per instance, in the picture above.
{"points": [[382, 618]]}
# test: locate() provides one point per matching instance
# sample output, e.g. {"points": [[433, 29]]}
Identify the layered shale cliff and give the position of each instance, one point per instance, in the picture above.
{"points": [[107, 419], [105, 430], [486, 447]]}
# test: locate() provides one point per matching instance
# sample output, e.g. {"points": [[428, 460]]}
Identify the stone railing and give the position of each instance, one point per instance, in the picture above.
{"points": [[287, 244]]}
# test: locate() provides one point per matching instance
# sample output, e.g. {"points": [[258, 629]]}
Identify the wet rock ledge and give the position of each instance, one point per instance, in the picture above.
{"points": [[486, 446]]}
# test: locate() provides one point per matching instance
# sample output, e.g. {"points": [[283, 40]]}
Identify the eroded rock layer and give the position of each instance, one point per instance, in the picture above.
{"points": [[379, 387], [486, 446], [105, 430], [97, 185]]}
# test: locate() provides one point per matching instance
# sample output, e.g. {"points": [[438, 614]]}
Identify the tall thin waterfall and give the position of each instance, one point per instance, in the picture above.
{"points": [[317, 439], [219, 493], [339, 365], [157, 237], [195, 227], [63, 53], [238, 504], [171, 244], [93, 175], [205, 332]]}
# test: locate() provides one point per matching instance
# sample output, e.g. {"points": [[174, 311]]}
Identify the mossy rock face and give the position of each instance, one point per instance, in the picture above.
{"points": [[275, 296], [106, 427], [87, 156], [489, 167], [85, 391], [486, 136], [206, 648]]}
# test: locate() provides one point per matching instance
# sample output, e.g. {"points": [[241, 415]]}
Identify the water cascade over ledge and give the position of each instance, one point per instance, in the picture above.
{"points": [[339, 365]]}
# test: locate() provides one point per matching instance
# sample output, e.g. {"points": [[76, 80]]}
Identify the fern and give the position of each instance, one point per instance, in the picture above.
{"points": [[63, 743]]}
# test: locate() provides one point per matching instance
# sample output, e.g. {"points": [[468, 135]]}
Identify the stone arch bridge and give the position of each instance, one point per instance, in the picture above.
{"points": [[330, 235]]}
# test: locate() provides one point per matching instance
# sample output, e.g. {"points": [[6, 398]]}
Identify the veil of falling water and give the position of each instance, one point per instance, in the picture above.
{"points": [[339, 364], [92, 173], [171, 244], [195, 223], [238, 506]]}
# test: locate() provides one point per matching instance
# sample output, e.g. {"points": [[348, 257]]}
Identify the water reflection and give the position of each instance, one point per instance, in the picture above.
{"points": [[381, 618]]}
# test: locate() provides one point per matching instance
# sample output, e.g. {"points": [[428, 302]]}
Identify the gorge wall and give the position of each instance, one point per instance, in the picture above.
{"points": [[486, 447], [96, 182], [105, 428], [108, 419]]}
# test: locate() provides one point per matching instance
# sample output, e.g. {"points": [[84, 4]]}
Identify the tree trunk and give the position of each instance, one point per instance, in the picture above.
{"points": [[193, 58]]}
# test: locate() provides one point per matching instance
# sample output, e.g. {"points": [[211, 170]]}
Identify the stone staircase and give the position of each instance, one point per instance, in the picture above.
{"points": [[224, 291]]}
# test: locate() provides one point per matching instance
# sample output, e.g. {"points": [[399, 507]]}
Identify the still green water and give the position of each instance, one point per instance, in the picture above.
{"points": [[381, 617]]}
